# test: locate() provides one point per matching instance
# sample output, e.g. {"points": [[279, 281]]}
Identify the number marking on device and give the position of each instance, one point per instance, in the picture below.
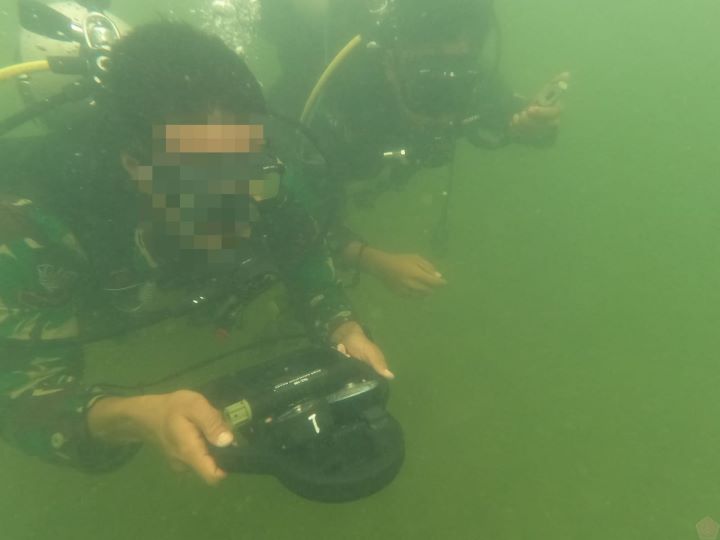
{"points": [[313, 419]]}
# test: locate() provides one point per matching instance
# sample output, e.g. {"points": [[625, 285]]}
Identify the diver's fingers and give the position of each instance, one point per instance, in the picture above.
{"points": [[519, 118], [536, 112], [203, 464], [192, 451], [425, 265], [565, 76], [415, 286], [210, 422], [375, 357], [433, 280], [430, 275]]}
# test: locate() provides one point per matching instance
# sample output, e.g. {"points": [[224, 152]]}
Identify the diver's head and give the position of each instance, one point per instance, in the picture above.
{"points": [[435, 21], [435, 54], [186, 116]]}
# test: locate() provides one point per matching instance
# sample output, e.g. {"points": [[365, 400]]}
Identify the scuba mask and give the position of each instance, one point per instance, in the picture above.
{"points": [[440, 85]]}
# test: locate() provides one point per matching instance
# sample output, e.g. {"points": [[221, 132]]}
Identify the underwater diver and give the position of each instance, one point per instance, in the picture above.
{"points": [[159, 195], [422, 75]]}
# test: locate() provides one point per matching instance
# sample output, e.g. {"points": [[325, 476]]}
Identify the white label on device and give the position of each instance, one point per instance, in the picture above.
{"points": [[313, 419]]}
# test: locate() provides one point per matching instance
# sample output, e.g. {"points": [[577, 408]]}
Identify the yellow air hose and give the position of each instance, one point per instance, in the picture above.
{"points": [[326, 76], [42, 65], [21, 69]]}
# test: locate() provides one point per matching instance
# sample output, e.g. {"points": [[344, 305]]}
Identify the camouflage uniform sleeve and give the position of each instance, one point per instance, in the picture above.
{"points": [[318, 294], [339, 237], [324, 200], [300, 247], [43, 402]]}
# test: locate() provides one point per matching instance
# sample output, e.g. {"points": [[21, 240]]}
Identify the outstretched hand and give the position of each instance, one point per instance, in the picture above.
{"points": [[181, 424], [541, 118], [350, 339], [405, 273]]}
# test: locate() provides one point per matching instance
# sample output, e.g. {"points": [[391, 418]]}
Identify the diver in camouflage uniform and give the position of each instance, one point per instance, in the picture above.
{"points": [[168, 186]]}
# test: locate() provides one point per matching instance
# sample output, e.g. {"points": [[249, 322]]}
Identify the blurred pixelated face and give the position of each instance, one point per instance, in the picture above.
{"points": [[206, 180]]}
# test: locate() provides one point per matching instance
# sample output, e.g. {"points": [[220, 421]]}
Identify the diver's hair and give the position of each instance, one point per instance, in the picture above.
{"points": [[168, 70], [435, 21]]}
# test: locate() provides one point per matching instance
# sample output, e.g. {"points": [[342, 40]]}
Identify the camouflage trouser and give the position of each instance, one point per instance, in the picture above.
{"points": [[43, 410]]}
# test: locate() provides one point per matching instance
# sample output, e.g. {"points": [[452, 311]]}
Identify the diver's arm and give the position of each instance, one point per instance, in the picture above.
{"points": [[47, 417], [495, 106], [43, 402], [322, 304], [180, 424], [504, 117], [537, 124], [350, 339], [407, 273], [302, 253], [317, 293]]}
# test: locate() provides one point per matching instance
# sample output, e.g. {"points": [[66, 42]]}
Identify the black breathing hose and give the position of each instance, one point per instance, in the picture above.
{"points": [[143, 387]]}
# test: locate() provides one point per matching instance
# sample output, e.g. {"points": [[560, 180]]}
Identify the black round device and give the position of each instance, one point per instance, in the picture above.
{"points": [[314, 419]]}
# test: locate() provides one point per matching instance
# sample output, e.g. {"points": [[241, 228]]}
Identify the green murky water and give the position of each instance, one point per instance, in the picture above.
{"points": [[565, 384]]}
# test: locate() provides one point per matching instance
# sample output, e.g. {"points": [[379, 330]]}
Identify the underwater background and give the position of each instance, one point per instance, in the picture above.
{"points": [[565, 384]]}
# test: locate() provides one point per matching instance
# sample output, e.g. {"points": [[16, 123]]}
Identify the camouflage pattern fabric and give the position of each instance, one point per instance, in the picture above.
{"points": [[45, 277]]}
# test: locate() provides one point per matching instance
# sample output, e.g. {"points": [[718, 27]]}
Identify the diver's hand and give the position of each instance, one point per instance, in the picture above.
{"points": [[405, 273], [541, 119], [351, 340], [179, 424]]}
